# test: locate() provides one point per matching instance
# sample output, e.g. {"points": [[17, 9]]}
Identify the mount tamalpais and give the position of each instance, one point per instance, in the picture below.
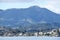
{"points": [[28, 16]]}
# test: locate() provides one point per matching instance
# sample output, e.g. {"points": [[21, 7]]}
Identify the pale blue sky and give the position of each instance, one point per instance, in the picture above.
{"points": [[53, 5]]}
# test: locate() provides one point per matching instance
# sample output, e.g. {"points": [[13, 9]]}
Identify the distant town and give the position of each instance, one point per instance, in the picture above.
{"points": [[10, 32]]}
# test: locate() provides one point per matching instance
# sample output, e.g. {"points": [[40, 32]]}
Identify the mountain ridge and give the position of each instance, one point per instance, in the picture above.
{"points": [[34, 14]]}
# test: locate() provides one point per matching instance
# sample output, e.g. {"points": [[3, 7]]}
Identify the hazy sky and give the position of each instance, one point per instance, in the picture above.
{"points": [[53, 5]]}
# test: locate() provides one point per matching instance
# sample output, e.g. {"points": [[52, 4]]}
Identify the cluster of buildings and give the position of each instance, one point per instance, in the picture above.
{"points": [[52, 33]]}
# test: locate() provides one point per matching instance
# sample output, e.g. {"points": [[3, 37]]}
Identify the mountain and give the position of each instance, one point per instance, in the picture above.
{"points": [[27, 16]]}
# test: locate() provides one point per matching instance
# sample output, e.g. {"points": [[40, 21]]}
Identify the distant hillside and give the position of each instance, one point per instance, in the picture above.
{"points": [[28, 16]]}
